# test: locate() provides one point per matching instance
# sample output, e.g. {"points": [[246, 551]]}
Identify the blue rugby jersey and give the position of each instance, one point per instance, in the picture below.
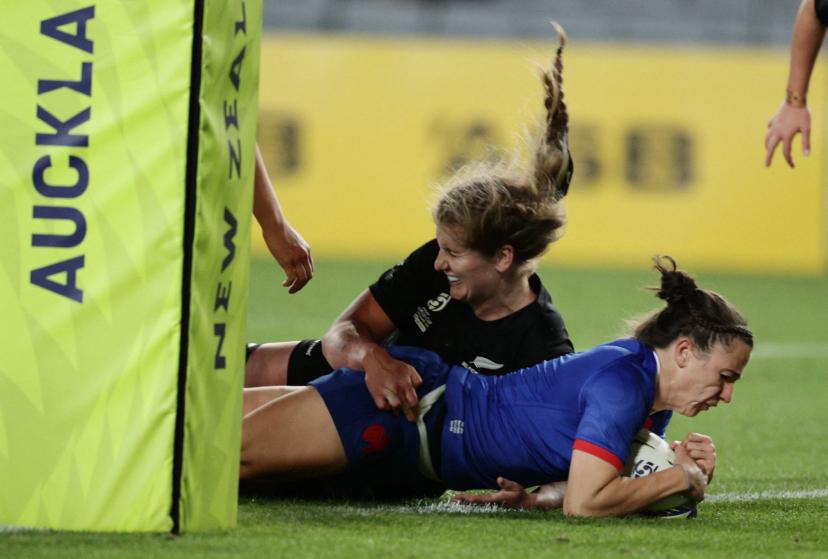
{"points": [[525, 425]]}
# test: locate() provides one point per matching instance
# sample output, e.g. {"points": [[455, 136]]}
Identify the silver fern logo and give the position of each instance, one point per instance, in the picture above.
{"points": [[482, 363]]}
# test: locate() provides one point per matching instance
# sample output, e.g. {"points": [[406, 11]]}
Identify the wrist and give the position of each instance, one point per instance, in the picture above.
{"points": [[373, 355], [795, 99], [685, 477]]}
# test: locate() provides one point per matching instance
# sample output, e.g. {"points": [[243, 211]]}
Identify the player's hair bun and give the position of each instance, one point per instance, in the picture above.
{"points": [[676, 285], [703, 315]]}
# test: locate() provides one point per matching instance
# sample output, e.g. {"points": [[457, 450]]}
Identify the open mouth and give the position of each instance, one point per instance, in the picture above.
{"points": [[452, 279]]}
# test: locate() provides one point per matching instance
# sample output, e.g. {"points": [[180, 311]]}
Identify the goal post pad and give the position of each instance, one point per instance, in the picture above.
{"points": [[126, 165]]}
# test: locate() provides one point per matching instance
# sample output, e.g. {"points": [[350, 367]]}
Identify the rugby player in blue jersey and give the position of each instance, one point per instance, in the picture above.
{"points": [[572, 418]]}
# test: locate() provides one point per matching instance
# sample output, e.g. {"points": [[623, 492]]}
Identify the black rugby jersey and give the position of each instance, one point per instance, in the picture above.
{"points": [[416, 298], [821, 8]]}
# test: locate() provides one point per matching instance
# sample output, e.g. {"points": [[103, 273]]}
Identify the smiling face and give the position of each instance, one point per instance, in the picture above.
{"points": [[473, 278], [705, 379]]}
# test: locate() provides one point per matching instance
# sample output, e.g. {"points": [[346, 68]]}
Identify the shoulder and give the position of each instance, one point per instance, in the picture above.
{"points": [[416, 265], [543, 332], [424, 254], [620, 362]]}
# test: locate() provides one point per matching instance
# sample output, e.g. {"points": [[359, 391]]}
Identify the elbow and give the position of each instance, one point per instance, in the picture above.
{"points": [[575, 508], [583, 509]]}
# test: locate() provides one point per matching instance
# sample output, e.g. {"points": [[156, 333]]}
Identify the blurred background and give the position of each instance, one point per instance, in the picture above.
{"points": [[365, 105]]}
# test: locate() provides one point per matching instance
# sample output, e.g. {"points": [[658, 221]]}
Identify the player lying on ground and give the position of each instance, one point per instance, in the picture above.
{"points": [[572, 418], [471, 295]]}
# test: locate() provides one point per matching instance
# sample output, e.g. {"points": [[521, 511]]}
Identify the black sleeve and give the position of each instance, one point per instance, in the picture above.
{"points": [[399, 289], [821, 8]]}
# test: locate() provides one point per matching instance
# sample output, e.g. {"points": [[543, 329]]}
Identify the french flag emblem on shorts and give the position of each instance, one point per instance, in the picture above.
{"points": [[376, 439]]}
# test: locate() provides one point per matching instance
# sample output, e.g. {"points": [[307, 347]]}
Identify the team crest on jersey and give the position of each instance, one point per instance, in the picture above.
{"points": [[438, 303]]}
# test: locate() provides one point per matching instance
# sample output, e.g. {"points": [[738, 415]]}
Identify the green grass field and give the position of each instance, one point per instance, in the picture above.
{"points": [[769, 498]]}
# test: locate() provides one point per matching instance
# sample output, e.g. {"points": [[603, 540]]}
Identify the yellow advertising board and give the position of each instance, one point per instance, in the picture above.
{"points": [[668, 146]]}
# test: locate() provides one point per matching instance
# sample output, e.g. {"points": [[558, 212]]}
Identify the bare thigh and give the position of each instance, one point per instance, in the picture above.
{"points": [[291, 437], [268, 365], [258, 396]]}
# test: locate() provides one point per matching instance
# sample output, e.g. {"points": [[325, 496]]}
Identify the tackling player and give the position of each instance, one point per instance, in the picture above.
{"points": [[471, 295]]}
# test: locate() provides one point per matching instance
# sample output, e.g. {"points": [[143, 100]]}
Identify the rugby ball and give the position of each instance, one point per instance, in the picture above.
{"points": [[650, 453]]}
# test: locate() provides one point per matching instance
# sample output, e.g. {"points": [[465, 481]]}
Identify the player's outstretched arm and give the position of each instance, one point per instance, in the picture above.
{"points": [[353, 341], [595, 488], [513, 495], [285, 243], [793, 116]]}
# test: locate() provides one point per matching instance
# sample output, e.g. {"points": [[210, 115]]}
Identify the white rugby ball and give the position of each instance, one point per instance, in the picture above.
{"points": [[649, 454]]}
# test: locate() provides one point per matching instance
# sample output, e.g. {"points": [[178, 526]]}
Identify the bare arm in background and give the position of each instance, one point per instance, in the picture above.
{"points": [[285, 244], [793, 115]]}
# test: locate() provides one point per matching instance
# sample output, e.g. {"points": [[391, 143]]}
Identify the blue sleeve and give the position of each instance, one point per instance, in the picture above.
{"points": [[659, 421], [615, 403]]}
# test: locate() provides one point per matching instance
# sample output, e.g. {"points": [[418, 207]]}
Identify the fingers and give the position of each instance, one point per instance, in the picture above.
{"points": [[787, 145], [700, 449], [806, 142], [697, 438], [511, 495], [393, 387], [770, 147], [298, 271], [783, 128], [298, 279], [471, 499]]}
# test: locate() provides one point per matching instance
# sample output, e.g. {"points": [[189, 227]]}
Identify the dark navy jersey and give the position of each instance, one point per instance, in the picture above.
{"points": [[524, 426], [416, 298]]}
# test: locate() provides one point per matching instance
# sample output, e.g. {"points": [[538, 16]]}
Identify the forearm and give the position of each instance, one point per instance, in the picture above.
{"points": [[266, 207], [348, 344], [807, 39], [623, 495]]}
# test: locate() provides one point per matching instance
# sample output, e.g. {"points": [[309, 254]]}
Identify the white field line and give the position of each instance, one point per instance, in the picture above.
{"points": [[448, 507], [790, 350], [6, 529], [767, 495]]}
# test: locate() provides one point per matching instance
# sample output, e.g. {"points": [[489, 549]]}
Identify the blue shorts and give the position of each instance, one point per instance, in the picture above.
{"points": [[371, 436]]}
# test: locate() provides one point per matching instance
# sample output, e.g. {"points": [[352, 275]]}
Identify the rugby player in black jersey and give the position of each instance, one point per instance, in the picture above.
{"points": [[471, 294]]}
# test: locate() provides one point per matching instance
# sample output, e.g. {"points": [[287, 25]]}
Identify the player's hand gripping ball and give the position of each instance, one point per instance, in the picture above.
{"points": [[649, 454]]}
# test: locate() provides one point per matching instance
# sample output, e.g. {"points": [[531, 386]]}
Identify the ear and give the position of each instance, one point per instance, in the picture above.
{"points": [[683, 351], [504, 257]]}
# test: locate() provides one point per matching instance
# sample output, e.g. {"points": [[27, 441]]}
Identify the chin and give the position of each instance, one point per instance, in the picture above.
{"points": [[457, 294]]}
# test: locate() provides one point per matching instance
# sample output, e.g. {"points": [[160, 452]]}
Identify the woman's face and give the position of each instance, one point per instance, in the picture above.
{"points": [[708, 378], [472, 277]]}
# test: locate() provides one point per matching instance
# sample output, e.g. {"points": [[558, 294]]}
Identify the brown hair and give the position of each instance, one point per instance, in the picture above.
{"points": [[498, 204], [702, 315]]}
